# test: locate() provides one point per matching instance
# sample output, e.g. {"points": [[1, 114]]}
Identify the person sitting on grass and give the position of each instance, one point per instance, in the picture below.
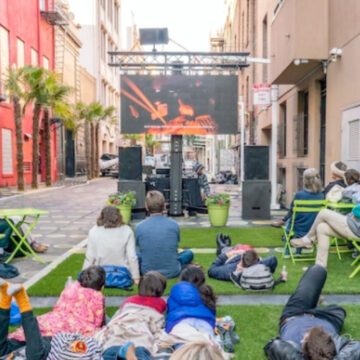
{"points": [[158, 238], [235, 261], [330, 223], [80, 308], [34, 346], [140, 320], [191, 302], [308, 331], [111, 242]]}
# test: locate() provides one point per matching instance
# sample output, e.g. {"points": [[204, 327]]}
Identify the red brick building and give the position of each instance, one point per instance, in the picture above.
{"points": [[26, 38]]}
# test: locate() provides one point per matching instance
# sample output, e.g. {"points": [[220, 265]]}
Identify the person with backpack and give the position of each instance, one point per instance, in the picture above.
{"points": [[35, 346], [229, 266], [308, 331]]}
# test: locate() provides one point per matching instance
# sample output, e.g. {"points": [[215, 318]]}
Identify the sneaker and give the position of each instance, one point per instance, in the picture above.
{"points": [[219, 243], [235, 278], [300, 243], [355, 254], [278, 224], [227, 240]]}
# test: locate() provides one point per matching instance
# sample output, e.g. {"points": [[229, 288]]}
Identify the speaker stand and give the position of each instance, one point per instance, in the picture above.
{"points": [[176, 176]]}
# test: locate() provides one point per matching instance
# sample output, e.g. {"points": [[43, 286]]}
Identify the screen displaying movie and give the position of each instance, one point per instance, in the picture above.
{"points": [[179, 104]]}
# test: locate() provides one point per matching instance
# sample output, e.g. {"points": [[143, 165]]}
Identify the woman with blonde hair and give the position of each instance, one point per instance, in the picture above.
{"points": [[199, 350], [111, 242]]}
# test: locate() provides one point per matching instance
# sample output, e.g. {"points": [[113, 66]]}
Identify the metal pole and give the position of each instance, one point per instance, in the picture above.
{"points": [[242, 138], [274, 124]]}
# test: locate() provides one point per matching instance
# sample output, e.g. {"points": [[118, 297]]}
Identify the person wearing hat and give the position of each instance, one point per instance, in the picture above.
{"points": [[338, 169], [202, 179], [330, 223]]}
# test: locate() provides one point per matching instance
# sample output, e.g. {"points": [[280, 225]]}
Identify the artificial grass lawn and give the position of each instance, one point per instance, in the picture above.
{"points": [[338, 281], [255, 236], [257, 324]]}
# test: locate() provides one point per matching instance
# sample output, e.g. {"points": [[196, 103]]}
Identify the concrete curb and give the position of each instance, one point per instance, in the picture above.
{"points": [[31, 192], [254, 299]]}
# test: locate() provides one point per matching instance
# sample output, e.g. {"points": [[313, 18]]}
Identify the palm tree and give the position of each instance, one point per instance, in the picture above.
{"points": [[132, 137], [35, 83], [107, 114], [150, 143], [14, 84], [54, 97]]}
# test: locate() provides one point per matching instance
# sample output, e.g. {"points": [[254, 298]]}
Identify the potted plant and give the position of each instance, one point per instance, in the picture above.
{"points": [[218, 208], [124, 202]]}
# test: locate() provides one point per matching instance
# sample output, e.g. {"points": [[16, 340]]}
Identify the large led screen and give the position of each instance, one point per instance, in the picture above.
{"points": [[179, 104]]}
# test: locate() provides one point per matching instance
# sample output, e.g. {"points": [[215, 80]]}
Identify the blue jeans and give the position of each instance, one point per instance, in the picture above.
{"points": [[140, 352], [184, 258]]}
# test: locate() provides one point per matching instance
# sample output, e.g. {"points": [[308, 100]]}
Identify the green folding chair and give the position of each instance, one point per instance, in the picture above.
{"points": [[356, 243], [301, 206]]}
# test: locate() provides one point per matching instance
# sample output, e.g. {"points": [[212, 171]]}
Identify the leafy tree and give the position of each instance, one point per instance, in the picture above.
{"points": [[150, 143]]}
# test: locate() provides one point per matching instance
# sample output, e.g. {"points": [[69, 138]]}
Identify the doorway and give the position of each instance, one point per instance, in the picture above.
{"points": [[69, 154]]}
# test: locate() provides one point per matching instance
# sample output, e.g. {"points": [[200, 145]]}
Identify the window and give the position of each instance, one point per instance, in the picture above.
{"points": [[45, 63], [354, 136], [34, 57], [7, 152], [116, 18], [109, 9], [302, 124], [4, 57], [42, 5], [20, 56], [265, 49], [103, 45], [282, 130]]}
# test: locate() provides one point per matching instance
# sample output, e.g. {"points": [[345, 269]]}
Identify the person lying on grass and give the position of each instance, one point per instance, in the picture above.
{"points": [[34, 346], [140, 318], [309, 331], [80, 308], [235, 260]]}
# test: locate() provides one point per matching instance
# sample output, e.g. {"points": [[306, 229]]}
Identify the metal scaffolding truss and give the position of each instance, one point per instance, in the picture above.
{"points": [[184, 62]]}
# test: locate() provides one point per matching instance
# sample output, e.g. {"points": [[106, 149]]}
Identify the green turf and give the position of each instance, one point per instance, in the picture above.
{"points": [[257, 324], [338, 281], [255, 236]]}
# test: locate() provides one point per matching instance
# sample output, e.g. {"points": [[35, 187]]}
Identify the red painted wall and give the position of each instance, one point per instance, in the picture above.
{"points": [[23, 20]]}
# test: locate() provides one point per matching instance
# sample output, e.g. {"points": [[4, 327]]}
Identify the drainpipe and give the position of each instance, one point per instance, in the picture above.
{"points": [[274, 122]]}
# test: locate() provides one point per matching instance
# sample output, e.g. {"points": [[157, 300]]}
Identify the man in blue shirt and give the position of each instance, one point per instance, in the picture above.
{"points": [[157, 238]]}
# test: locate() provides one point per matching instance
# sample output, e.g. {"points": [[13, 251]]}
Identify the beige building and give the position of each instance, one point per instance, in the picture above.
{"points": [[99, 34], [70, 158], [314, 47]]}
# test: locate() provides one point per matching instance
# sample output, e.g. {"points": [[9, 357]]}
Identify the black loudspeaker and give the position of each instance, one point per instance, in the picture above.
{"points": [[138, 187], [130, 163], [154, 36], [256, 162], [175, 208], [256, 200]]}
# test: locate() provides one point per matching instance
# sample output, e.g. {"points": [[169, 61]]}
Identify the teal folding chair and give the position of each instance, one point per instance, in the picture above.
{"points": [[301, 206]]}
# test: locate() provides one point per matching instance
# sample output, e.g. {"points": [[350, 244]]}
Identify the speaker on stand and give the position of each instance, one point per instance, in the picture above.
{"points": [[256, 189]]}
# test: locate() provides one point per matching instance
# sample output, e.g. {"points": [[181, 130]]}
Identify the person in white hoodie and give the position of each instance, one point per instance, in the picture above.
{"points": [[111, 242]]}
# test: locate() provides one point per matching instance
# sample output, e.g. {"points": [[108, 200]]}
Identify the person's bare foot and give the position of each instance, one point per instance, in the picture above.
{"points": [[130, 353]]}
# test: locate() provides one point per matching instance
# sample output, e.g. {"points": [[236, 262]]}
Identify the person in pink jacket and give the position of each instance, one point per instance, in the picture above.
{"points": [[80, 308]]}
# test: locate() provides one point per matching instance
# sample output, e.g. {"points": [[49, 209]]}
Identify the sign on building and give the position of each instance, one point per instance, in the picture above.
{"points": [[262, 94]]}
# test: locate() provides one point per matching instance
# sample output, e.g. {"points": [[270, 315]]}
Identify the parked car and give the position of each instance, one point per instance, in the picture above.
{"points": [[108, 164]]}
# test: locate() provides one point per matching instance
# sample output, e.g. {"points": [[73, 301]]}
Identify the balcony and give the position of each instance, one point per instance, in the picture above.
{"points": [[52, 11], [299, 39]]}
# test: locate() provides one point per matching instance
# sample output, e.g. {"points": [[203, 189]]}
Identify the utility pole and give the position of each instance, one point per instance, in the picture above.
{"points": [[274, 123]]}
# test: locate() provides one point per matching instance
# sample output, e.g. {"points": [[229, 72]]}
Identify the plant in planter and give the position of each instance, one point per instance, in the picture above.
{"points": [[218, 208], [124, 202]]}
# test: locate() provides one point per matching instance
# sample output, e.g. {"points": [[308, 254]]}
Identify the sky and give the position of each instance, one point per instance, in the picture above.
{"points": [[189, 22]]}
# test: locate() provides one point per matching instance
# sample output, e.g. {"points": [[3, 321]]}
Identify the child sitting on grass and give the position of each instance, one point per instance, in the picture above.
{"points": [[140, 319], [35, 346], [80, 309], [191, 302]]}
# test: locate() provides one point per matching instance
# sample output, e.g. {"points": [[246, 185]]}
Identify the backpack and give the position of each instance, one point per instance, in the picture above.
{"points": [[257, 277], [117, 277]]}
